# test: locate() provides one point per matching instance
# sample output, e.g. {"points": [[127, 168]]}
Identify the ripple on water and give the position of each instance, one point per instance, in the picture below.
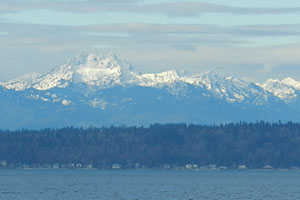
{"points": [[148, 185]]}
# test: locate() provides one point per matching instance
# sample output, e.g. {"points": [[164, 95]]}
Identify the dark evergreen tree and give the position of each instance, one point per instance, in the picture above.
{"points": [[252, 144]]}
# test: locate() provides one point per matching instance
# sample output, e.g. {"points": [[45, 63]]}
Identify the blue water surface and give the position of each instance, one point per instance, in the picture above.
{"points": [[149, 184]]}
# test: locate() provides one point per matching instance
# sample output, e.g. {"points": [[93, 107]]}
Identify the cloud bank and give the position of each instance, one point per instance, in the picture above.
{"points": [[241, 50], [174, 9]]}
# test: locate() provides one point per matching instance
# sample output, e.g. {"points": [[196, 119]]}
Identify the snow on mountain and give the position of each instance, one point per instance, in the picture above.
{"points": [[58, 77], [90, 89], [229, 88], [286, 89], [157, 80], [23, 82], [291, 82], [101, 71], [108, 70]]}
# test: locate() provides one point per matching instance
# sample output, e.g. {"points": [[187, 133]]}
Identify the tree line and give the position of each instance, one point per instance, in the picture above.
{"points": [[251, 144]]}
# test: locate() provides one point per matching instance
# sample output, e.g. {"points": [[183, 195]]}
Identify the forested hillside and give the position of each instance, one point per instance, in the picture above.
{"points": [[252, 144]]}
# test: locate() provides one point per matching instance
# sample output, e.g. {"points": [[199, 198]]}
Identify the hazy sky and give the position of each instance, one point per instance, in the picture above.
{"points": [[253, 40]]}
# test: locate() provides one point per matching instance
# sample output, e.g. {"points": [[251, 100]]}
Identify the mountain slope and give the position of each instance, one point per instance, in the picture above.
{"points": [[104, 90]]}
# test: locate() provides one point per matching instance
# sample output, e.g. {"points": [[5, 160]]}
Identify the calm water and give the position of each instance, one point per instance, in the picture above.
{"points": [[148, 184]]}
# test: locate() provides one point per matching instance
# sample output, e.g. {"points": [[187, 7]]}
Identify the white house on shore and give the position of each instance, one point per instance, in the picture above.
{"points": [[116, 166]]}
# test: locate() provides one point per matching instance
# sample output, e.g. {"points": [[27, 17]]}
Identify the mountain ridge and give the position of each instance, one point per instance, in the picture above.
{"points": [[108, 70], [106, 88]]}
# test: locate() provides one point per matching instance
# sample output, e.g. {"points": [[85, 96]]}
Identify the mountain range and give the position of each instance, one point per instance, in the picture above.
{"points": [[92, 90]]}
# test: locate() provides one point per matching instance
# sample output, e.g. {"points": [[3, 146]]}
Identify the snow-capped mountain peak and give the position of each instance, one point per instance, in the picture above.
{"points": [[285, 89], [105, 89], [106, 71], [23, 82], [101, 71], [229, 88], [291, 82]]}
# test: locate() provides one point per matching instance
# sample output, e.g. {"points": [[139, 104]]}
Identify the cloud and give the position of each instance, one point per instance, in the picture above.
{"points": [[177, 36], [266, 30], [201, 29], [197, 8], [174, 9], [150, 47], [185, 47], [269, 67], [68, 5], [201, 33]]}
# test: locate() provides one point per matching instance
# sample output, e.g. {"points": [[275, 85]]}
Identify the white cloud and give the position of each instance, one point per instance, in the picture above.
{"points": [[269, 67], [150, 47], [175, 9]]}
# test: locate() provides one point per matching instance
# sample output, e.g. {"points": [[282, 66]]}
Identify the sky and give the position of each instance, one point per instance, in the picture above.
{"points": [[252, 40]]}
